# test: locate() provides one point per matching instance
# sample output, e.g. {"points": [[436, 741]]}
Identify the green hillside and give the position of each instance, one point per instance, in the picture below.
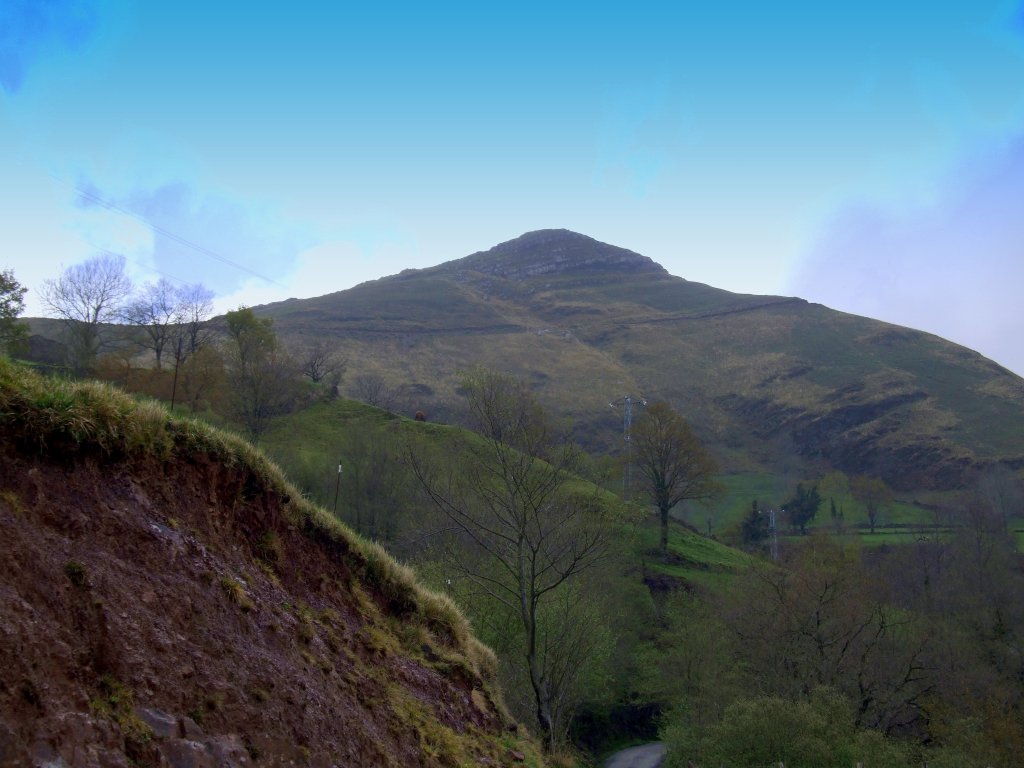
{"points": [[772, 383], [311, 442]]}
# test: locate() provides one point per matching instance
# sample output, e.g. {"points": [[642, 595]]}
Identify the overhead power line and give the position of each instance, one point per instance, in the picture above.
{"points": [[103, 203]]}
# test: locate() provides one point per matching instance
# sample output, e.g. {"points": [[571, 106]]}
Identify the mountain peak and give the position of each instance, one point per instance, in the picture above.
{"points": [[556, 251]]}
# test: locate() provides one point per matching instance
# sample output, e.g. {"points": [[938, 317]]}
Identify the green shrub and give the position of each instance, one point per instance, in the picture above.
{"points": [[76, 573], [816, 732]]}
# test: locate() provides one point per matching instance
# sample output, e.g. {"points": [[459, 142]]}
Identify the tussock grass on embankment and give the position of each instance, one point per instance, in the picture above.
{"points": [[45, 414]]}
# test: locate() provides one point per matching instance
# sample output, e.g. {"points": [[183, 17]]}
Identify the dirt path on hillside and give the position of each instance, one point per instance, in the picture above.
{"points": [[644, 756]]}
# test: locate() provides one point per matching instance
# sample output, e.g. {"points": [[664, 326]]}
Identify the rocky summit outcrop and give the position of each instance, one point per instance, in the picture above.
{"points": [[166, 599], [555, 251]]}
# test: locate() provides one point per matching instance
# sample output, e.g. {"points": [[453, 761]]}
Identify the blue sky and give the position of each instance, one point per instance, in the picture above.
{"points": [[865, 156]]}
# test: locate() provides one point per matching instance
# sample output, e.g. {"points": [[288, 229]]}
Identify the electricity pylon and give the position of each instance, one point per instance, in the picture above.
{"points": [[626, 402]]}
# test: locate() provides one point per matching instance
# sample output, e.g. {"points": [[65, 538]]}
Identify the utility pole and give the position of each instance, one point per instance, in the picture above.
{"points": [[773, 532], [626, 402], [337, 489]]}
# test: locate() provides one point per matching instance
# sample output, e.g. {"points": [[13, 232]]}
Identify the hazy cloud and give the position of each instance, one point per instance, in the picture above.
{"points": [[30, 28], [954, 266], [325, 268], [202, 238]]}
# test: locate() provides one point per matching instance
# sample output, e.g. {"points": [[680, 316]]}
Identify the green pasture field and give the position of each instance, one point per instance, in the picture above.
{"points": [[692, 558], [727, 512], [318, 432], [892, 536]]}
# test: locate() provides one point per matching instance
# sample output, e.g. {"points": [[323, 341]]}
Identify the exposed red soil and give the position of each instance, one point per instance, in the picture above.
{"points": [[159, 613]]}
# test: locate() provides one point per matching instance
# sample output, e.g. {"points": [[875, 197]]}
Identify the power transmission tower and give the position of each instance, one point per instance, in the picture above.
{"points": [[773, 532], [626, 402]]}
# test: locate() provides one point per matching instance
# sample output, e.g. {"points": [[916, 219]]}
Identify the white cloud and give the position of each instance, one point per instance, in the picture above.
{"points": [[954, 267]]}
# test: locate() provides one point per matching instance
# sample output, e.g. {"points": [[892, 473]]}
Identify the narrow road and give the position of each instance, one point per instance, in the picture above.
{"points": [[644, 756]]}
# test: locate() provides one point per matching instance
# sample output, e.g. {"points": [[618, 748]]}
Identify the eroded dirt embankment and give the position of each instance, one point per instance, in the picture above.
{"points": [[168, 613]]}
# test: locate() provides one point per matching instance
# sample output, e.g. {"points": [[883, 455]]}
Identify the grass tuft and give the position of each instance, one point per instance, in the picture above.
{"points": [[270, 550], [76, 573], [11, 499], [116, 702], [236, 594]]}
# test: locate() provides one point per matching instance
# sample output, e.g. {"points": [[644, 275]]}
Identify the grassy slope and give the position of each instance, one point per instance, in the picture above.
{"points": [[317, 432], [45, 414], [771, 383], [692, 558], [760, 377]]}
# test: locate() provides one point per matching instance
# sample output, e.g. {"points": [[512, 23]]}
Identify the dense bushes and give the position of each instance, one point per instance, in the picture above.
{"points": [[813, 732], [900, 657]]}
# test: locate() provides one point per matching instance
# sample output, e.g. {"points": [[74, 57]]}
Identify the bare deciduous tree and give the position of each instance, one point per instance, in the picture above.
{"points": [[525, 536], [319, 362], [85, 296], [194, 305], [172, 320], [155, 312], [819, 621], [373, 390]]}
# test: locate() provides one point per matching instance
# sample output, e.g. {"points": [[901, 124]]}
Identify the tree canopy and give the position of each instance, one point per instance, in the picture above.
{"points": [[803, 506], [873, 493], [262, 377], [674, 463], [85, 296], [12, 304], [525, 535]]}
